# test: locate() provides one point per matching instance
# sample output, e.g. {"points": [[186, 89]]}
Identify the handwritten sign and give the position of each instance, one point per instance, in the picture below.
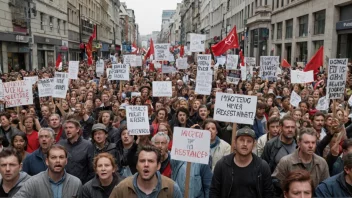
{"points": [[46, 87], [323, 104], [221, 60], [298, 76], [232, 80], [31, 79], [162, 89], [181, 63], [250, 61], [73, 68], [167, 69], [235, 108], [139, 61], [336, 84], [135, 94], [232, 61], [137, 120], [268, 66], [243, 72], [60, 85], [197, 43], [129, 60], [1, 90], [99, 68], [119, 72], [162, 52], [191, 145], [204, 75], [295, 99], [18, 93]]}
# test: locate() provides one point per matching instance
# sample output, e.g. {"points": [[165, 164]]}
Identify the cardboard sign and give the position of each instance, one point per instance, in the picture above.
{"points": [[139, 61], [232, 80], [113, 59], [130, 60], [295, 99], [137, 120], [268, 66], [31, 79], [235, 108], [99, 68], [18, 93], [162, 52], [197, 43], [1, 90], [221, 60], [60, 85], [73, 68], [337, 72], [250, 61], [181, 63], [168, 69], [135, 94], [232, 61], [204, 75], [301, 76], [191, 145], [323, 104], [162, 89], [119, 72], [46, 87], [243, 72]]}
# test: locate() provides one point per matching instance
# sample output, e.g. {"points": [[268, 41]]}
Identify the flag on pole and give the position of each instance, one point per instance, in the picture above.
{"points": [[315, 62], [241, 59], [150, 50], [58, 61], [230, 42], [285, 64], [90, 46]]}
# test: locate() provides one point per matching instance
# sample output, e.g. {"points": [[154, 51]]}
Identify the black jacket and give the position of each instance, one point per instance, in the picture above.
{"points": [[130, 160], [221, 184], [114, 134], [93, 188], [108, 148]]}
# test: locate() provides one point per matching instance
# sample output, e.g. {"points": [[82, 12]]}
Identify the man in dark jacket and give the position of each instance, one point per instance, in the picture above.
{"points": [[242, 174], [6, 130], [127, 149], [107, 117], [101, 142], [338, 185]]}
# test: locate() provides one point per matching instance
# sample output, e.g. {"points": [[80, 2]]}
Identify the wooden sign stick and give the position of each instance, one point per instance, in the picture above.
{"points": [[234, 130], [188, 175]]}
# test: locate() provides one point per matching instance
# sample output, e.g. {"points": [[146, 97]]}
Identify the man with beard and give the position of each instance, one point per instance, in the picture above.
{"points": [[242, 174], [281, 145], [318, 124], [85, 121], [259, 120], [55, 182], [34, 163], [55, 124], [148, 182]]}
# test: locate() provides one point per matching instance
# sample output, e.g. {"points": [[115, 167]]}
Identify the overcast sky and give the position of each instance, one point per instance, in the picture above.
{"points": [[148, 13]]}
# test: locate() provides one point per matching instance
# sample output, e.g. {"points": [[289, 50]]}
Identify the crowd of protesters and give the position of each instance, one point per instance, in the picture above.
{"points": [[80, 146]]}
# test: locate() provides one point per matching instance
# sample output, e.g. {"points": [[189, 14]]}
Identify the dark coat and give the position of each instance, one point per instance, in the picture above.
{"points": [[333, 187], [130, 160], [93, 188], [34, 163]]}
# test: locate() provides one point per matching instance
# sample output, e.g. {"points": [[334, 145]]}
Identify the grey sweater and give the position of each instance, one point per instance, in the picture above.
{"points": [[38, 186], [21, 181]]}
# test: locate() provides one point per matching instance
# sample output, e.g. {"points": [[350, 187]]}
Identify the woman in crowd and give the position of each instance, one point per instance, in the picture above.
{"points": [[127, 149], [19, 141], [31, 133], [161, 117]]}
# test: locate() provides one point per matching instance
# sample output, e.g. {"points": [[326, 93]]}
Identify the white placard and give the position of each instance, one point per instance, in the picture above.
{"points": [[139, 61], [31, 79], [137, 120], [171, 58], [60, 85], [250, 61], [135, 94], [268, 66], [113, 59], [197, 43], [235, 108], [73, 68], [221, 60], [18, 93], [1, 90], [168, 69], [119, 72], [232, 61], [243, 72], [191, 145], [162, 89], [295, 99], [162, 51], [323, 104], [204, 75], [336, 84], [130, 60], [46, 87], [181, 63], [232, 80], [99, 68], [298, 76]]}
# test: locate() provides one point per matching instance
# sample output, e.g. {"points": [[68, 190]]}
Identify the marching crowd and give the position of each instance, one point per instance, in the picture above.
{"points": [[80, 146]]}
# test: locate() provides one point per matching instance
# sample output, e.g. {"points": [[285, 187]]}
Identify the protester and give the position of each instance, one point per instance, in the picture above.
{"points": [[106, 118], [6, 130], [298, 184], [101, 142], [273, 131], [161, 141], [20, 142], [32, 134], [55, 124]]}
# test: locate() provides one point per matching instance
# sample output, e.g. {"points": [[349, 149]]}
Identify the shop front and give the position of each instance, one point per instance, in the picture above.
{"points": [[105, 50], [344, 31], [46, 49]]}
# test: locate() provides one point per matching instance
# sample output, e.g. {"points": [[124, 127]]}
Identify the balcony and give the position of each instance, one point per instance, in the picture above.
{"points": [[259, 18], [263, 9]]}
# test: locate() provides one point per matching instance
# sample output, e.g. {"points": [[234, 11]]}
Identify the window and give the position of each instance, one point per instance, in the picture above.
{"points": [[302, 46], [319, 22], [41, 21], [282, 3], [317, 45], [303, 26], [289, 28], [272, 31], [277, 3], [64, 24], [279, 30], [51, 23], [58, 26]]}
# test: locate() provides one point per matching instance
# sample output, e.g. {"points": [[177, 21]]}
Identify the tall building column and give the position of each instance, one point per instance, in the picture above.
{"points": [[5, 63], [35, 56]]}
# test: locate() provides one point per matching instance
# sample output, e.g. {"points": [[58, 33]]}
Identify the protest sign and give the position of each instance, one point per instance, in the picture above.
{"points": [[323, 104], [73, 68], [232, 80], [168, 69], [204, 75], [162, 52], [129, 60], [99, 68], [197, 43], [46, 87], [250, 61], [181, 63], [1, 90], [221, 60], [235, 108], [119, 72], [232, 61], [336, 84], [243, 72], [139, 61], [268, 66], [113, 59], [298, 76], [191, 145], [60, 85], [31, 79], [162, 89], [135, 94], [18, 93], [295, 99], [137, 120], [171, 58]]}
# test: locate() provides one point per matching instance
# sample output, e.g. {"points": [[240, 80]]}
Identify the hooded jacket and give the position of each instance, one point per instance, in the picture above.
{"points": [[21, 180]]}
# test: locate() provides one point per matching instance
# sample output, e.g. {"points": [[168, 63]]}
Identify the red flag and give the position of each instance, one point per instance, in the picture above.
{"points": [[207, 51], [182, 51], [90, 46], [230, 42], [285, 64], [241, 58], [58, 61], [150, 50], [315, 62]]}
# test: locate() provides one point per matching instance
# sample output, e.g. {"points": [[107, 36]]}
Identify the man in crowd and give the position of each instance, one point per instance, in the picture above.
{"points": [[86, 122], [106, 118], [45, 110], [55, 182], [273, 131], [55, 124], [259, 120], [161, 141], [318, 124], [6, 130]]}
